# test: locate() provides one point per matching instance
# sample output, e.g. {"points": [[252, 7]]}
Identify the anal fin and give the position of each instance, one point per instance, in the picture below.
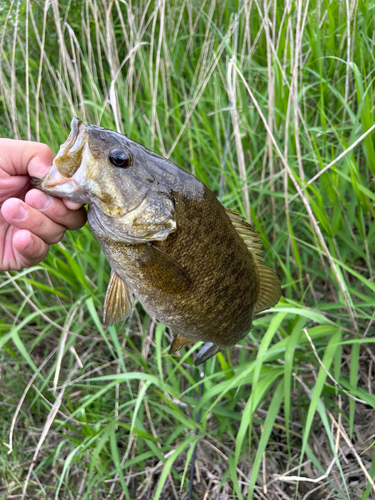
{"points": [[118, 301], [178, 342]]}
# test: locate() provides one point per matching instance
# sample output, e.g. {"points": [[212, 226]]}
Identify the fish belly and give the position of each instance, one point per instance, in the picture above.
{"points": [[217, 307]]}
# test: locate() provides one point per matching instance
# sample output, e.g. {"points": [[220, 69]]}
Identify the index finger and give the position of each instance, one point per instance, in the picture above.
{"points": [[25, 157]]}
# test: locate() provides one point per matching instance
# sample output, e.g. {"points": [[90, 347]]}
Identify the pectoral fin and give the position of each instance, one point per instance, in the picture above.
{"points": [[178, 342], [118, 301], [165, 272]]}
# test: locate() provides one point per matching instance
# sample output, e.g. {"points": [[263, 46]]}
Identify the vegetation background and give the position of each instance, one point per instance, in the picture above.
{"points": [[271, 104]]}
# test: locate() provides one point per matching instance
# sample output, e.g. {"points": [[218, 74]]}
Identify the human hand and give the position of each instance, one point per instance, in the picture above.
{"points": [[30, 220]]}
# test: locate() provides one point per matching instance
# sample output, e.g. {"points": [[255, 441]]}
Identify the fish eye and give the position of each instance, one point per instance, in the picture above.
{"points": [[119, 158]]}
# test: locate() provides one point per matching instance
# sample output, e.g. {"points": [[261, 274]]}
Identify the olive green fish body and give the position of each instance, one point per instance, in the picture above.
{"points": [[218, 305], [193, 264]]}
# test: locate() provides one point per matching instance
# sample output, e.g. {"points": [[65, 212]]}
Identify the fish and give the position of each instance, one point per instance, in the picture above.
{"points": [[193, 264]]}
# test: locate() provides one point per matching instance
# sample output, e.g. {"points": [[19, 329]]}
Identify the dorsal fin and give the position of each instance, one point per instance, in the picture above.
{"points": [[269, 290]]}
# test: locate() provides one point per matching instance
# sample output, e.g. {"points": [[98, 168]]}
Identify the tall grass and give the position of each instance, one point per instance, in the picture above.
{"points": [[271, 104]]}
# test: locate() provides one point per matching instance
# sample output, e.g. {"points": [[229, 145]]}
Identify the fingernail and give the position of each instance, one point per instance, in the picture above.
{"points": [[42, 202], [20, 213]]}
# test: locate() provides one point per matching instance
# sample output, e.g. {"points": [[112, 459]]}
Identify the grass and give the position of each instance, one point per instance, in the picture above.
{"points": [[271, 105]]}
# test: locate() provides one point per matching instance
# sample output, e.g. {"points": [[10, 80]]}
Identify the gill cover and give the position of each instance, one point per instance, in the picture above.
{"points": [[106, 171]]}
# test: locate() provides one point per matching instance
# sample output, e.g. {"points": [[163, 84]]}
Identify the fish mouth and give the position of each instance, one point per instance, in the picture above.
{"points": [[57, 185], [59, 181]]}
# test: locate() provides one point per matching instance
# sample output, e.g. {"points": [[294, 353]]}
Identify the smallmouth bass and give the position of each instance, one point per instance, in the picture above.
{"points": [[193, 264]]}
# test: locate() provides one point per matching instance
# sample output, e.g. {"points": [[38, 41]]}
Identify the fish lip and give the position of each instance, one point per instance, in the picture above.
{"points": [[75, 125]]}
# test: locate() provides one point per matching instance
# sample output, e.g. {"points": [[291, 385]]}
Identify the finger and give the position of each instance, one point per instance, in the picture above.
{"points": [[56, 210], [25, 157], [31, 249], [72, 205], [20, 215]]}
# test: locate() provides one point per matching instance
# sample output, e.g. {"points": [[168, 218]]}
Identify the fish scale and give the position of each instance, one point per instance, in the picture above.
{"points": [[192, 263]]}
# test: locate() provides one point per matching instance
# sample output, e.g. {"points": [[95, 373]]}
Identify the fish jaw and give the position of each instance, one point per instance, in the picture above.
{"points": [[67, 176], [57, 185], [125, 204], [70, 155]]}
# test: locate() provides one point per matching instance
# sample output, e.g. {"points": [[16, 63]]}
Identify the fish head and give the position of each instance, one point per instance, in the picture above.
{"points": [[113, 175]]}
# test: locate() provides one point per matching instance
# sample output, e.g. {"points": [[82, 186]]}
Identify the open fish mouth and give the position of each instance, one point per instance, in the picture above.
{"points": [[74, 143], [60, 180], [57, 185], [76, 138]]}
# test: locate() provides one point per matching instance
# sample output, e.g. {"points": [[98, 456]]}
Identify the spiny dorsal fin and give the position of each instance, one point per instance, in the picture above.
{"points": [[118, 301], [179, 341], [269, 290]]}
